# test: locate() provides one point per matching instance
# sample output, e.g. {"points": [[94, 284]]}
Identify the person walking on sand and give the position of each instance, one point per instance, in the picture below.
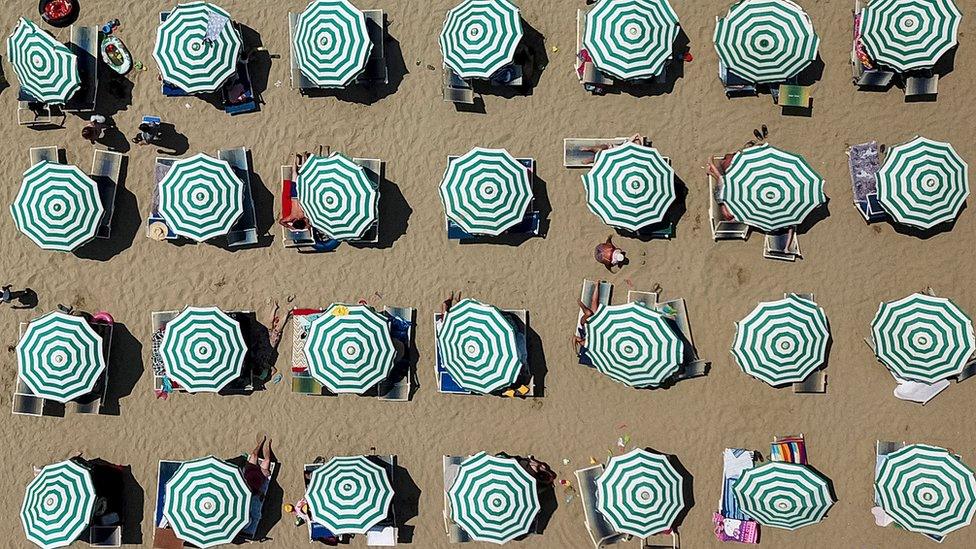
{"points": [[609, 255], [95, 129]]}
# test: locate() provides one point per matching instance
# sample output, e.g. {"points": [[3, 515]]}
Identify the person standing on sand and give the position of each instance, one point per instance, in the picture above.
{"points": [[609, 255]]}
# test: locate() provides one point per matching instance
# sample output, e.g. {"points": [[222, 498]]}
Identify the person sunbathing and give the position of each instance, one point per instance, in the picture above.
{"points": [[636, 139], [579, 338], [296, 220]]}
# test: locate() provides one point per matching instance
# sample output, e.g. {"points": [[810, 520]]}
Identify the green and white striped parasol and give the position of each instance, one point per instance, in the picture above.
{"points": [[633, 344], [207, 502], [783, 495], [331, 43], [337, 196], [58, 206], [640, 493], [58, 505], [201, 197], [493, 499], [909, 35], [349, 348], [47, 69], [60, 357], [923, 183], [766, 41], [771, 189], [197, 47], [783, 341], [631, 39], [486, 191], [923, 338], [630, 186], [203, 349], [478, 347], [479, 37], [926, 489], [349, 495]]}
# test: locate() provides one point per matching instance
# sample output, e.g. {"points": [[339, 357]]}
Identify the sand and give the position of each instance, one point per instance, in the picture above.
{"points": [[850, 266]]}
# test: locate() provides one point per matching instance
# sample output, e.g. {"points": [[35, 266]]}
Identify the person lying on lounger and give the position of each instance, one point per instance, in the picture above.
{"points": [[579, 338], [636, 139]]}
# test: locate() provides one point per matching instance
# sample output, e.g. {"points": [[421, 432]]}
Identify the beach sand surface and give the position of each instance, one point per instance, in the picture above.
{"points": [[850, 266]]}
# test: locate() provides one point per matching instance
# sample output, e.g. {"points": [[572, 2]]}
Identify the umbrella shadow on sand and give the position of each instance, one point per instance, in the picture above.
{"points": [[406, 501], [124, 369], [123, 495]]}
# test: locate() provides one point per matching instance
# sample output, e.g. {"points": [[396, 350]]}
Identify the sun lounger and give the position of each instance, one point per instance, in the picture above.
{"points": [[455, 534], [374, 169], [862, 76], [155, 221], [731, 523], [385, 533], [677, 312], [647, 299], [722, 228], [297, 79], [604, 290], [245, 102], [575, 157], [735, 85], [165, 472], [921, 87], [398, 388], [316, 531], [864, 162], [244, 231], [882, 449], [83, 42], [302, 381], [303, 240], [376, 71], [106, 172], [592, 78], [44, 154], [37, 115], [782, 245], [664, 540], [456, 89], [793, 98], [168, 89], [105, 536], [509, 75], [601, 532]]}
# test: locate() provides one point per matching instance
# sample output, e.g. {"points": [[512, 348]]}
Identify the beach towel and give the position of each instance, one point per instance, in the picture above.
{"points": [[215, 24], [735, 461], [789, 449], [742, 531], [864, 164]]}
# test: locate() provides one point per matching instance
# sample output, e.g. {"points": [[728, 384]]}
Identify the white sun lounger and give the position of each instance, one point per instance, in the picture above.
{"points": [[601, 532], [575, 157], [106, 171], [400, 390], [244, 232], [722, 229], [455, 534], [44, 154]]}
